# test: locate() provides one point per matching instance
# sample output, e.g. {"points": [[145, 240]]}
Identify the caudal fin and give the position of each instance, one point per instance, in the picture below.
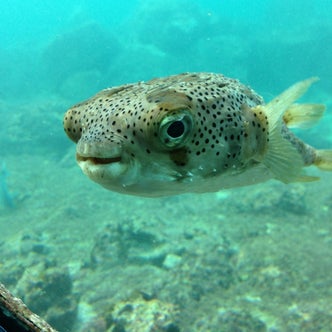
{"points": [[323, 160], [303, 115]]}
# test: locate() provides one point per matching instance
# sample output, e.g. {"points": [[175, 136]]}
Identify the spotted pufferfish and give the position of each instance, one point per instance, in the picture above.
{"points": [[193, 132]]}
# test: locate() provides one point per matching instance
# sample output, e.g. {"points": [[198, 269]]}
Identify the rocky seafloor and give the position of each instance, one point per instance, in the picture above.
{"points": [[86, 259], [249, 259]]}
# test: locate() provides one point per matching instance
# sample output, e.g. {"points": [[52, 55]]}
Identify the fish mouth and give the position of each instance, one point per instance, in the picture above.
{"points": [[106, 168], [98, 160], [97, 154], [110, 166]]}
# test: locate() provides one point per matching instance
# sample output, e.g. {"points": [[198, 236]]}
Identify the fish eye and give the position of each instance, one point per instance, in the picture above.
{"points": [[175, 128]]}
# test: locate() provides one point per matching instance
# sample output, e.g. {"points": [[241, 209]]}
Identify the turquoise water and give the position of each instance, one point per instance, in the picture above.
{"points": [[86, 259]]}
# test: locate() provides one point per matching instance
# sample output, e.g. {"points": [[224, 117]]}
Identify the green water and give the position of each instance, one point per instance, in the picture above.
{"points": [[86, 259]]}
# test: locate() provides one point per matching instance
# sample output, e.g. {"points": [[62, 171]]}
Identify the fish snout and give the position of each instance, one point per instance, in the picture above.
{"points": [[72, 125]]}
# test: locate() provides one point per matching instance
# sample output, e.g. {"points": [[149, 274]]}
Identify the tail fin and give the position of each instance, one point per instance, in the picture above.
{"points": [[324, 160], [303, 115]]}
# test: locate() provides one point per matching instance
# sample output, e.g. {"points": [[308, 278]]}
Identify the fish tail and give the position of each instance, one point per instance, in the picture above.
{"points": [[282, 157], [303, 115], [323, 160]]}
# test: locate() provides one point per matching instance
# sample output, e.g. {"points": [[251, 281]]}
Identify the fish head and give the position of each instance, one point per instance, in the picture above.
{"points": [[156, 138]]}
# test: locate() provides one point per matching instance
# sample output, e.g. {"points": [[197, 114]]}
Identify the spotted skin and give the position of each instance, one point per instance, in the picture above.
{"points": [[193, 132]]}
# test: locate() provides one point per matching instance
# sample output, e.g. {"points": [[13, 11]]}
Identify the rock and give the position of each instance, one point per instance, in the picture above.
{"points": [[120, 243], [47, 290], [172, 261], [144, 316]]}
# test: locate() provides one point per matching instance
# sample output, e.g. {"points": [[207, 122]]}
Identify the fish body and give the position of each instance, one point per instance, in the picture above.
{"points": [[193, 132]]}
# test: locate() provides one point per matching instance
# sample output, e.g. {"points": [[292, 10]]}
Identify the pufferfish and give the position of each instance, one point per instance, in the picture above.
{"points": [[192, 133]]}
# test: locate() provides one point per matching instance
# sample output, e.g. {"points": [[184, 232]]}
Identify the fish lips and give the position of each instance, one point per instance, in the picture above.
{"points": [[100, 162], [98, 153], [101, 171]]}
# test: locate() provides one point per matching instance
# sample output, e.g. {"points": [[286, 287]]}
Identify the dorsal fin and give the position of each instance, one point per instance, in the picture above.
{"points": [[276, 108]]}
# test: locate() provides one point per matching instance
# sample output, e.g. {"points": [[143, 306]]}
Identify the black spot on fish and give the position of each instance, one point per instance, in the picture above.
{"points": [[179, 156]]}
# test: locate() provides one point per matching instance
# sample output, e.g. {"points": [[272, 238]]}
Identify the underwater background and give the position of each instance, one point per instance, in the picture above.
{"points": [[86, 259]]}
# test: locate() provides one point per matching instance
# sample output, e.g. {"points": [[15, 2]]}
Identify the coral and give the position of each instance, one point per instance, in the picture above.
{"points": [[39, 280], [47, 290], [239, 321], [309, 317], [275, 202], [126, 243], [140, 315], [187, 281]]}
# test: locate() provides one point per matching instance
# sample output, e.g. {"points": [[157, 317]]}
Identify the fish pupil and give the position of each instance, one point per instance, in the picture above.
{"points": [[175, 129]]}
